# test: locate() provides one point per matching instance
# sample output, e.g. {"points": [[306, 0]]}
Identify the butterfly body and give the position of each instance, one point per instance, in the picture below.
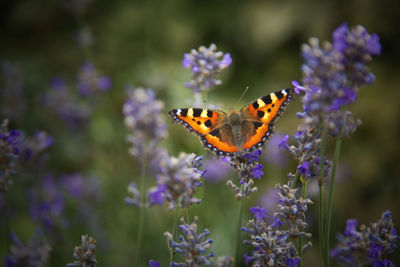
{"points": [[234, 132]]}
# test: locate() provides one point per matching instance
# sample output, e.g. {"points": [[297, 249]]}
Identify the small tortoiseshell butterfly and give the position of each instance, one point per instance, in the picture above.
{"points": [[235, 132]]}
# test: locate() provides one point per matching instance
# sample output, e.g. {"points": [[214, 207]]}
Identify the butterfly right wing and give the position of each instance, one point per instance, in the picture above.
{"points": [[211, 125]]}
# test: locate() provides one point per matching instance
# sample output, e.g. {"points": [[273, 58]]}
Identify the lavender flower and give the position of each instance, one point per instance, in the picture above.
{"points": [[10, 147], [191, 245], [369, 246], [33, 253], [177, 182], [135, 199], [206, 64], [274, 244], [67, 106], [33, 147], [334, 73], [143, 118], [307, 150], [47, 204], [90, 82], [247, 166], [11, 84], [84, 254]]}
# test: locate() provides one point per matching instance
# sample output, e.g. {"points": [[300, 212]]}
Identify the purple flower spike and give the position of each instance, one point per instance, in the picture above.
{"points": [[206, 65]]}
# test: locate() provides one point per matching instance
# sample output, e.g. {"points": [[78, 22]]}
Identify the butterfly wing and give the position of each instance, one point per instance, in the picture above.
{"points": [[211, 125], [259, 117]]}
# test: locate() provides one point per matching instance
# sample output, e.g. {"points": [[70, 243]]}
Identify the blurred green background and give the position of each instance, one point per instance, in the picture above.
{"points": [[142, 43]]}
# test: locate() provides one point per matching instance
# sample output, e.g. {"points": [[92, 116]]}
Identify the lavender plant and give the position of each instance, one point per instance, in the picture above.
{"points": [[332, 77], [192, 245], [33, 253], [275, 244], [371, 245], [85, 254], [177, 182], [206, 64]]}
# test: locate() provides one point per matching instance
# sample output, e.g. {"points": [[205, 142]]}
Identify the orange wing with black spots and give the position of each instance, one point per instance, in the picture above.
{"points": [[267, 109], [198, 120], [260, 116], [211, 125]]}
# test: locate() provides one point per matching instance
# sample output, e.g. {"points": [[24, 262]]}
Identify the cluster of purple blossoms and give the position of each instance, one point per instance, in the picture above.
{"points": [[11, 85], [33, 147], [191, 245], [206, 64], [248, 168], [275, 243], [35, 252], [307, 150], [143, 118], [66, 105], [85, 254], [10, 147], [217, 168], [369, 246], [334, 73], [177, 181], [90, 82], [47, 202]]}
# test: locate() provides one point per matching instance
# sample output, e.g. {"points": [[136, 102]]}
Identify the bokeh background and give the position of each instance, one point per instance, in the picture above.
{"points": [[142, 43]]}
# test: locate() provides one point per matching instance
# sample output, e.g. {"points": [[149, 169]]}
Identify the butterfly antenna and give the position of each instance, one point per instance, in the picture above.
{"points": [[240, 98]]}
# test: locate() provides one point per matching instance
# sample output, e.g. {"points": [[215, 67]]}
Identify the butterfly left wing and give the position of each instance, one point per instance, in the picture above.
{"points": [[211, 125], [260, 117]]}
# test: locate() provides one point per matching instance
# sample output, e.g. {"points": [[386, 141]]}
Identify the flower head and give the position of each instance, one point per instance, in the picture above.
{"points": [[84, 254], [247, 166], [90, 82], [66, 104], [192, 245], [334, 73], [206, 64], [368, 245], [274, 244], [143, 118], [35, 252], [177, 182]]}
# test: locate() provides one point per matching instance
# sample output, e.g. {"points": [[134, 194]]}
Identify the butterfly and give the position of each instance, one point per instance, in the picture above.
{"points": [[235, 132]]}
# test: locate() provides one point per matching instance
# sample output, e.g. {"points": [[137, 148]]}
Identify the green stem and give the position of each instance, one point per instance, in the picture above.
{"points": [[187, 215], [303, 195], [174, 226], [238, 239], [142, 212], [321, 194], [330, 196], [295, 179]]}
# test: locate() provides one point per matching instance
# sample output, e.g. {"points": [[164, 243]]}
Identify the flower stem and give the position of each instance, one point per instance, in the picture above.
{"points": [[142, 212], [330, 196], [295, 179], [174, 226], [321, 194], [239, 225], [303, 195]]}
